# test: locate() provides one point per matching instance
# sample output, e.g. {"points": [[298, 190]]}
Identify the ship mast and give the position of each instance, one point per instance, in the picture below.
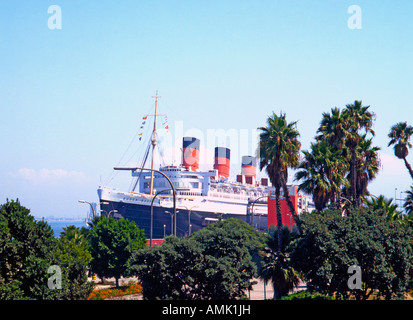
{"points": [[154, 141]]}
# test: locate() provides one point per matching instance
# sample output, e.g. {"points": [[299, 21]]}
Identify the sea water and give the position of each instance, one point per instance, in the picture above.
{"points": [[58, 225]]}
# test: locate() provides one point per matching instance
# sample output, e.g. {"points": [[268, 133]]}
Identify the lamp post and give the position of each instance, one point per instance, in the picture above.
{"points": [[189, 217], [108, 213], [91, 206], [401, 199], [252, 209], [173, 218], [153, 199], [170, 182]]}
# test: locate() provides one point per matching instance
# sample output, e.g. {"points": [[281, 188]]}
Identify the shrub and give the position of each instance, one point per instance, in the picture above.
{"points": [[306, 295], [128, 289]]}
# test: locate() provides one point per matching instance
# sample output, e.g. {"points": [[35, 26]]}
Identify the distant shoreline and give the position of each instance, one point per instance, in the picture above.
{"points": [[56, 219]]}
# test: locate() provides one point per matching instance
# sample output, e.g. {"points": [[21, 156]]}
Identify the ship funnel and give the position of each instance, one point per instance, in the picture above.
{"points": [[249, 166], [190, 153], [222, 161]]}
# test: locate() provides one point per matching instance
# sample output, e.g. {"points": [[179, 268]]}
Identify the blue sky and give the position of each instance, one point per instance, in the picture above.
{"points": [[73, 98]]}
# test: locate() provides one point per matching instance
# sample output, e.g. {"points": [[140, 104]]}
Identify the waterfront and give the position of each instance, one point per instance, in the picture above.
{"points": [[58, 225]]}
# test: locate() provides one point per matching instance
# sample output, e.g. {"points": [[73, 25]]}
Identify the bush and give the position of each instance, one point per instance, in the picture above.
{"points": [[331, 244], [128, 289], [26, 252], [112, 243], [28, 248], [214, 263], [306, 295]]}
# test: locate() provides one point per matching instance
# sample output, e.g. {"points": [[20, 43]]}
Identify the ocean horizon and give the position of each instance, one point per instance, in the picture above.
{"points": [[58, 225]]}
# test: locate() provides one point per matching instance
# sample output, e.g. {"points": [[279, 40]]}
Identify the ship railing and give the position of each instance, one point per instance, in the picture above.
{"points": [[227, 196]]}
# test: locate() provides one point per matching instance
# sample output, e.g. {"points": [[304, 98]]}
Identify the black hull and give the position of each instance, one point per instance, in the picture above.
{"points": [[163, 223]]}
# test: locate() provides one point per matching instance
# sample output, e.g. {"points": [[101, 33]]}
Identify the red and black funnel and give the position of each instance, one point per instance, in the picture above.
{"points": [[249, 166], [190, 153], [222, 161]]}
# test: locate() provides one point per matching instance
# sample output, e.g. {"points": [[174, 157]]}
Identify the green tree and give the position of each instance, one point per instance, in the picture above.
{"points": [[367, 164], [384, 206], [227, 265], [408, 208], [169, 271], [112, 243], [214, 263], [358, 118], [400, 135], [332, 243], [277, 266], [321, 173], [254, 242], [343, 131], [279, 149], [408, 201], [26, 253], [73, 257], [333, 128]]}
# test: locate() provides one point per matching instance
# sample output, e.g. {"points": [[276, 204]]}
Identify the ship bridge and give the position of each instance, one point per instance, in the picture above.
{"points": [[184, 181]]}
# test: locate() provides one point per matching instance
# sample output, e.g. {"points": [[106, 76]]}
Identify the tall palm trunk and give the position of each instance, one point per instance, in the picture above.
{"points": [[276, 292], [279, 219], [291, 205], [408, 166], [354, 178]]}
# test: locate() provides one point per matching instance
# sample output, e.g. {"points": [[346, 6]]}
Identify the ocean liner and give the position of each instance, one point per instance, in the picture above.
{"points": [[201, 197]]}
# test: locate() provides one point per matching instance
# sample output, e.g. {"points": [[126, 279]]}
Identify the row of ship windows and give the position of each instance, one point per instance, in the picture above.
{"points": [[193, 185], [181, 193], [132, 199]]}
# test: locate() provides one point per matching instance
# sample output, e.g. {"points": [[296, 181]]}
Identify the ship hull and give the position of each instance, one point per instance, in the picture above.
{"points": [[163, 222]]}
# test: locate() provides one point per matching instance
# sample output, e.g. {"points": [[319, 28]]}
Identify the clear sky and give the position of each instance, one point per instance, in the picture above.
{"points": [[72, 99]]}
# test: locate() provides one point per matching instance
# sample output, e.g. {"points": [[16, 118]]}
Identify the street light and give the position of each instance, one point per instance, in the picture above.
{"points": [[153, 199], [189, 217], [401, 199], [252, 208], [173, 218], [108, 213], [93, 209], [166, 177]]}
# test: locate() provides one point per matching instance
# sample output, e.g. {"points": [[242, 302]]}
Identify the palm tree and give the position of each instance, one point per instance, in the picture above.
{"points": [[399, 136], [322, 171], [408, 201], [386, 206], [358, 118], [278, 150], [341, 129], [408, 208], [277, 266], [314, 180], [333, 128], [368, 165]]}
